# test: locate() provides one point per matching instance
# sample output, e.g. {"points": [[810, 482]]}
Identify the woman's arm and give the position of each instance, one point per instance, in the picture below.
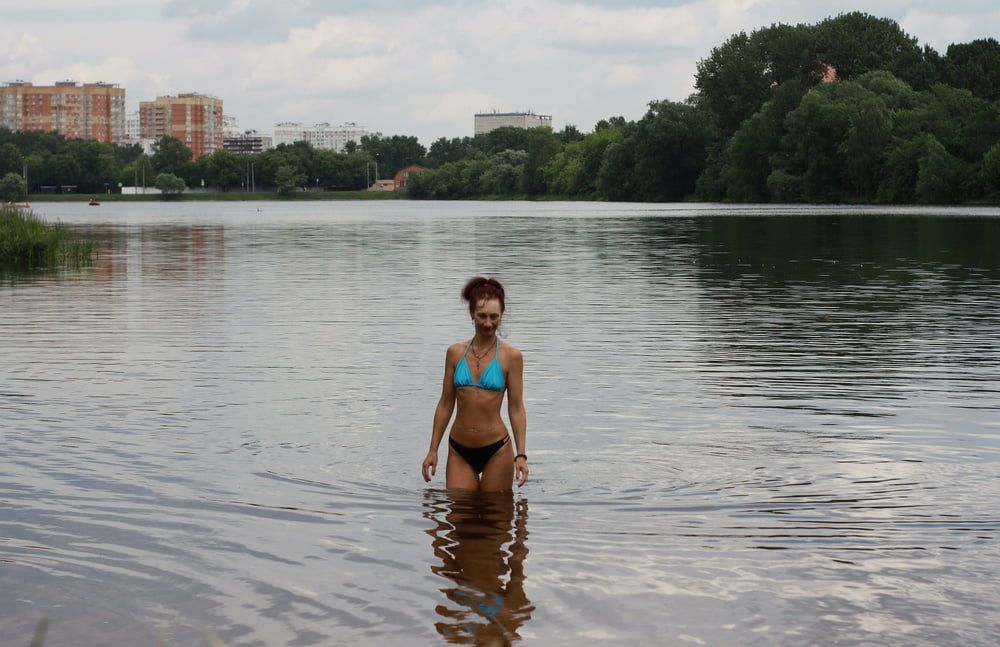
{"points": [[516, 413], [442, 415]]}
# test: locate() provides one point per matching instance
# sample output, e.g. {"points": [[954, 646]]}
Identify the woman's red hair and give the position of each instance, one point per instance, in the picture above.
{"points": [[480, 289]]}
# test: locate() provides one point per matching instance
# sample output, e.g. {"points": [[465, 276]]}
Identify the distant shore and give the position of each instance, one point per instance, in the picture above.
{"points": [[319, 196], [222, 196]]}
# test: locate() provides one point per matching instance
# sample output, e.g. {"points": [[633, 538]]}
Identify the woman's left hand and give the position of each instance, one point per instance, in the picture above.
{"points": [[521, 470]]}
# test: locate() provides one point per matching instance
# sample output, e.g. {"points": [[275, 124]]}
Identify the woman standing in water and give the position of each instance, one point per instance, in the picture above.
{"points": [[476, 374]]}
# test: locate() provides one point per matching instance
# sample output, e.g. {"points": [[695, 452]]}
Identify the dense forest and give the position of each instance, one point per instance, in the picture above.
{"points": [[851, 109]]}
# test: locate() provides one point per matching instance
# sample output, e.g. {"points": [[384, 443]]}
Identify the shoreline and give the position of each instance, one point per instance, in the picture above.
{"points": [[228, 196], [333, 196]]}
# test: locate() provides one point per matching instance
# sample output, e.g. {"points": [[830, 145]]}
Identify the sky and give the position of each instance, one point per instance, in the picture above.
{"points": [[421, 68]]}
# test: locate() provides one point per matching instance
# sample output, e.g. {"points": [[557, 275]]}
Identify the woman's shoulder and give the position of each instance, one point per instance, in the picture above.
{"points": [[457, 349], [510, 350]]}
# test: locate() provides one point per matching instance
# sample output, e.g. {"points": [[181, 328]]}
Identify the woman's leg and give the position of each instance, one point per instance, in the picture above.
{"points": [[458, 474], [498, 476]]}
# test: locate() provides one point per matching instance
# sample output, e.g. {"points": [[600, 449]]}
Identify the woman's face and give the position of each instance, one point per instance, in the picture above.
{"points": [[487, 316]]}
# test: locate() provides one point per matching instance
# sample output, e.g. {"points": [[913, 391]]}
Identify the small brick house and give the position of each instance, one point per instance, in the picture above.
{"points": [[401, 177]]}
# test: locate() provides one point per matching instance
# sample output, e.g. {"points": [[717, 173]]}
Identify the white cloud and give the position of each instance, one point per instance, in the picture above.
{"points": [[942, 29], [26, 47], [456, 106], [114, 69], [419, 68], [587, 27]]}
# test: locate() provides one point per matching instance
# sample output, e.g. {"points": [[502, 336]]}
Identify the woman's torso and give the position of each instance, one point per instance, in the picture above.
{"points": [[477, 420]]}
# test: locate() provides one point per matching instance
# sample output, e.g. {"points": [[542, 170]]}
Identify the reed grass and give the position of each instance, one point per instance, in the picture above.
{"points": [[28, 242]]}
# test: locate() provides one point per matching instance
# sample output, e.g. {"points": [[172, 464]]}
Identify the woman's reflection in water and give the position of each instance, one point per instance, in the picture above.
{"points": [[480, 539]]}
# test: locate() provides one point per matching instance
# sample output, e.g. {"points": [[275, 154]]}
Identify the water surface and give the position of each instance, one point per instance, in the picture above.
{"points": [[755, 425]]}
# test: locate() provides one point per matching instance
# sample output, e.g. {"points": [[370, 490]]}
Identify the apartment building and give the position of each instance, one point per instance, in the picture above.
{"points": [[321, 136], [487, 121], [195, 119], [246, 143], [77, 111]]}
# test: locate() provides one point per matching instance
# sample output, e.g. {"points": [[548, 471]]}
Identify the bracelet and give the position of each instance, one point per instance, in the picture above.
{"points": [[524, 456]]}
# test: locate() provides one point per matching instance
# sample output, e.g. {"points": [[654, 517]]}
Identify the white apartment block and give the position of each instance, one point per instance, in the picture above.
{"points": [[132, 127], [321, 136], [487, 121]]}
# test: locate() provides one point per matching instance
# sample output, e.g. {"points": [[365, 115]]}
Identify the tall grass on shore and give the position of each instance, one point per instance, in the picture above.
{"points": [[28, 242]]}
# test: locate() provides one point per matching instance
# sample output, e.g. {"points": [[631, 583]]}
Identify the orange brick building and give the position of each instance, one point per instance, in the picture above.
{"points": [[403, 176], [195, 119], [87, 111]]}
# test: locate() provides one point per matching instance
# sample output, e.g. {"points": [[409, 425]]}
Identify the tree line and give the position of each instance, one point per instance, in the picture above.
{"points": [[850, 109], [50, 161]]}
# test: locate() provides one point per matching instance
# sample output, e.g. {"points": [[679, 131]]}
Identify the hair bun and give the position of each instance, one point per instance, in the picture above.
{"points": [[479, 288]]}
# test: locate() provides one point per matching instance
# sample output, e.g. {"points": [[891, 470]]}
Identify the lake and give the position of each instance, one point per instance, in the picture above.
{"points": [[746, 426]]}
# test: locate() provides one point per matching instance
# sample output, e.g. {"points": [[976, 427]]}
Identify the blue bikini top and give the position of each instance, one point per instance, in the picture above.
{"points": [[491, 378]]}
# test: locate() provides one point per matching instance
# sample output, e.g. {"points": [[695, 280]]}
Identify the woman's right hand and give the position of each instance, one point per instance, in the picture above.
{"points": [[429, 466]]}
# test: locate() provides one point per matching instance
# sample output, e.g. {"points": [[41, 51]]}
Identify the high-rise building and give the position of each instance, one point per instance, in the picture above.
{"points": [[195, 119], [322, 136], [77, 111], [131, 128], [487, 121]]}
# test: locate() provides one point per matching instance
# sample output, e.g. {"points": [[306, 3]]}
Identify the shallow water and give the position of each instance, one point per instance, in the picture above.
{"points": [[747, 426]]}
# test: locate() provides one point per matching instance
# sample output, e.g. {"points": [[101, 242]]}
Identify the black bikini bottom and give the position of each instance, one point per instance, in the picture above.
{"points": [[477, 457]]}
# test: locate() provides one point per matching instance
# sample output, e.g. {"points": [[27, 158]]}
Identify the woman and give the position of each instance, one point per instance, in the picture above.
{"points": [[476, 374]]}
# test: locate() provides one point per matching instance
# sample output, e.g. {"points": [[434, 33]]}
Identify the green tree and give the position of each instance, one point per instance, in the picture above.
{"points": [[507, 169], [835, 142], [562, 173], [446, 150], [733, 82], [501, 139], [744, 165], [169, 185], [10, 158], [669, 148], [938, 175], [393, 153], [287, 179], [856, 42], [569, 133], [903, 157], [610, 122], [991, 172], [542, 146], [224, 169], [616, 177], [974, 66], [170, 155], [13, 188]]}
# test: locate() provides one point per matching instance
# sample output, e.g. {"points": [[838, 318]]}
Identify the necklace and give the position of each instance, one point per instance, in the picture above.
{"points": [[479, 358]]}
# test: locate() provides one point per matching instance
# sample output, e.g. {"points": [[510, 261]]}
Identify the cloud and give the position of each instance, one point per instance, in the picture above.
{"points": [[25, 48], [943, 29], [421, 67], [456, 105], [588, 28], [114, 69]]}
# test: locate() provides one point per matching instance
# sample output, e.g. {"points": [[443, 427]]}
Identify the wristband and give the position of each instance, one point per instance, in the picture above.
{"points": [[524, 456]]}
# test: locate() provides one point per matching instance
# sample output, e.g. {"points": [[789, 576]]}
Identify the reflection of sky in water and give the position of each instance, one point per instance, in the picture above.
{"points": [[739, 426]]}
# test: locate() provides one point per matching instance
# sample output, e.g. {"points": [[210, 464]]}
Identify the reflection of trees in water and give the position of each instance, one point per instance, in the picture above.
{"points": [[833, 306], [480, 542]]}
